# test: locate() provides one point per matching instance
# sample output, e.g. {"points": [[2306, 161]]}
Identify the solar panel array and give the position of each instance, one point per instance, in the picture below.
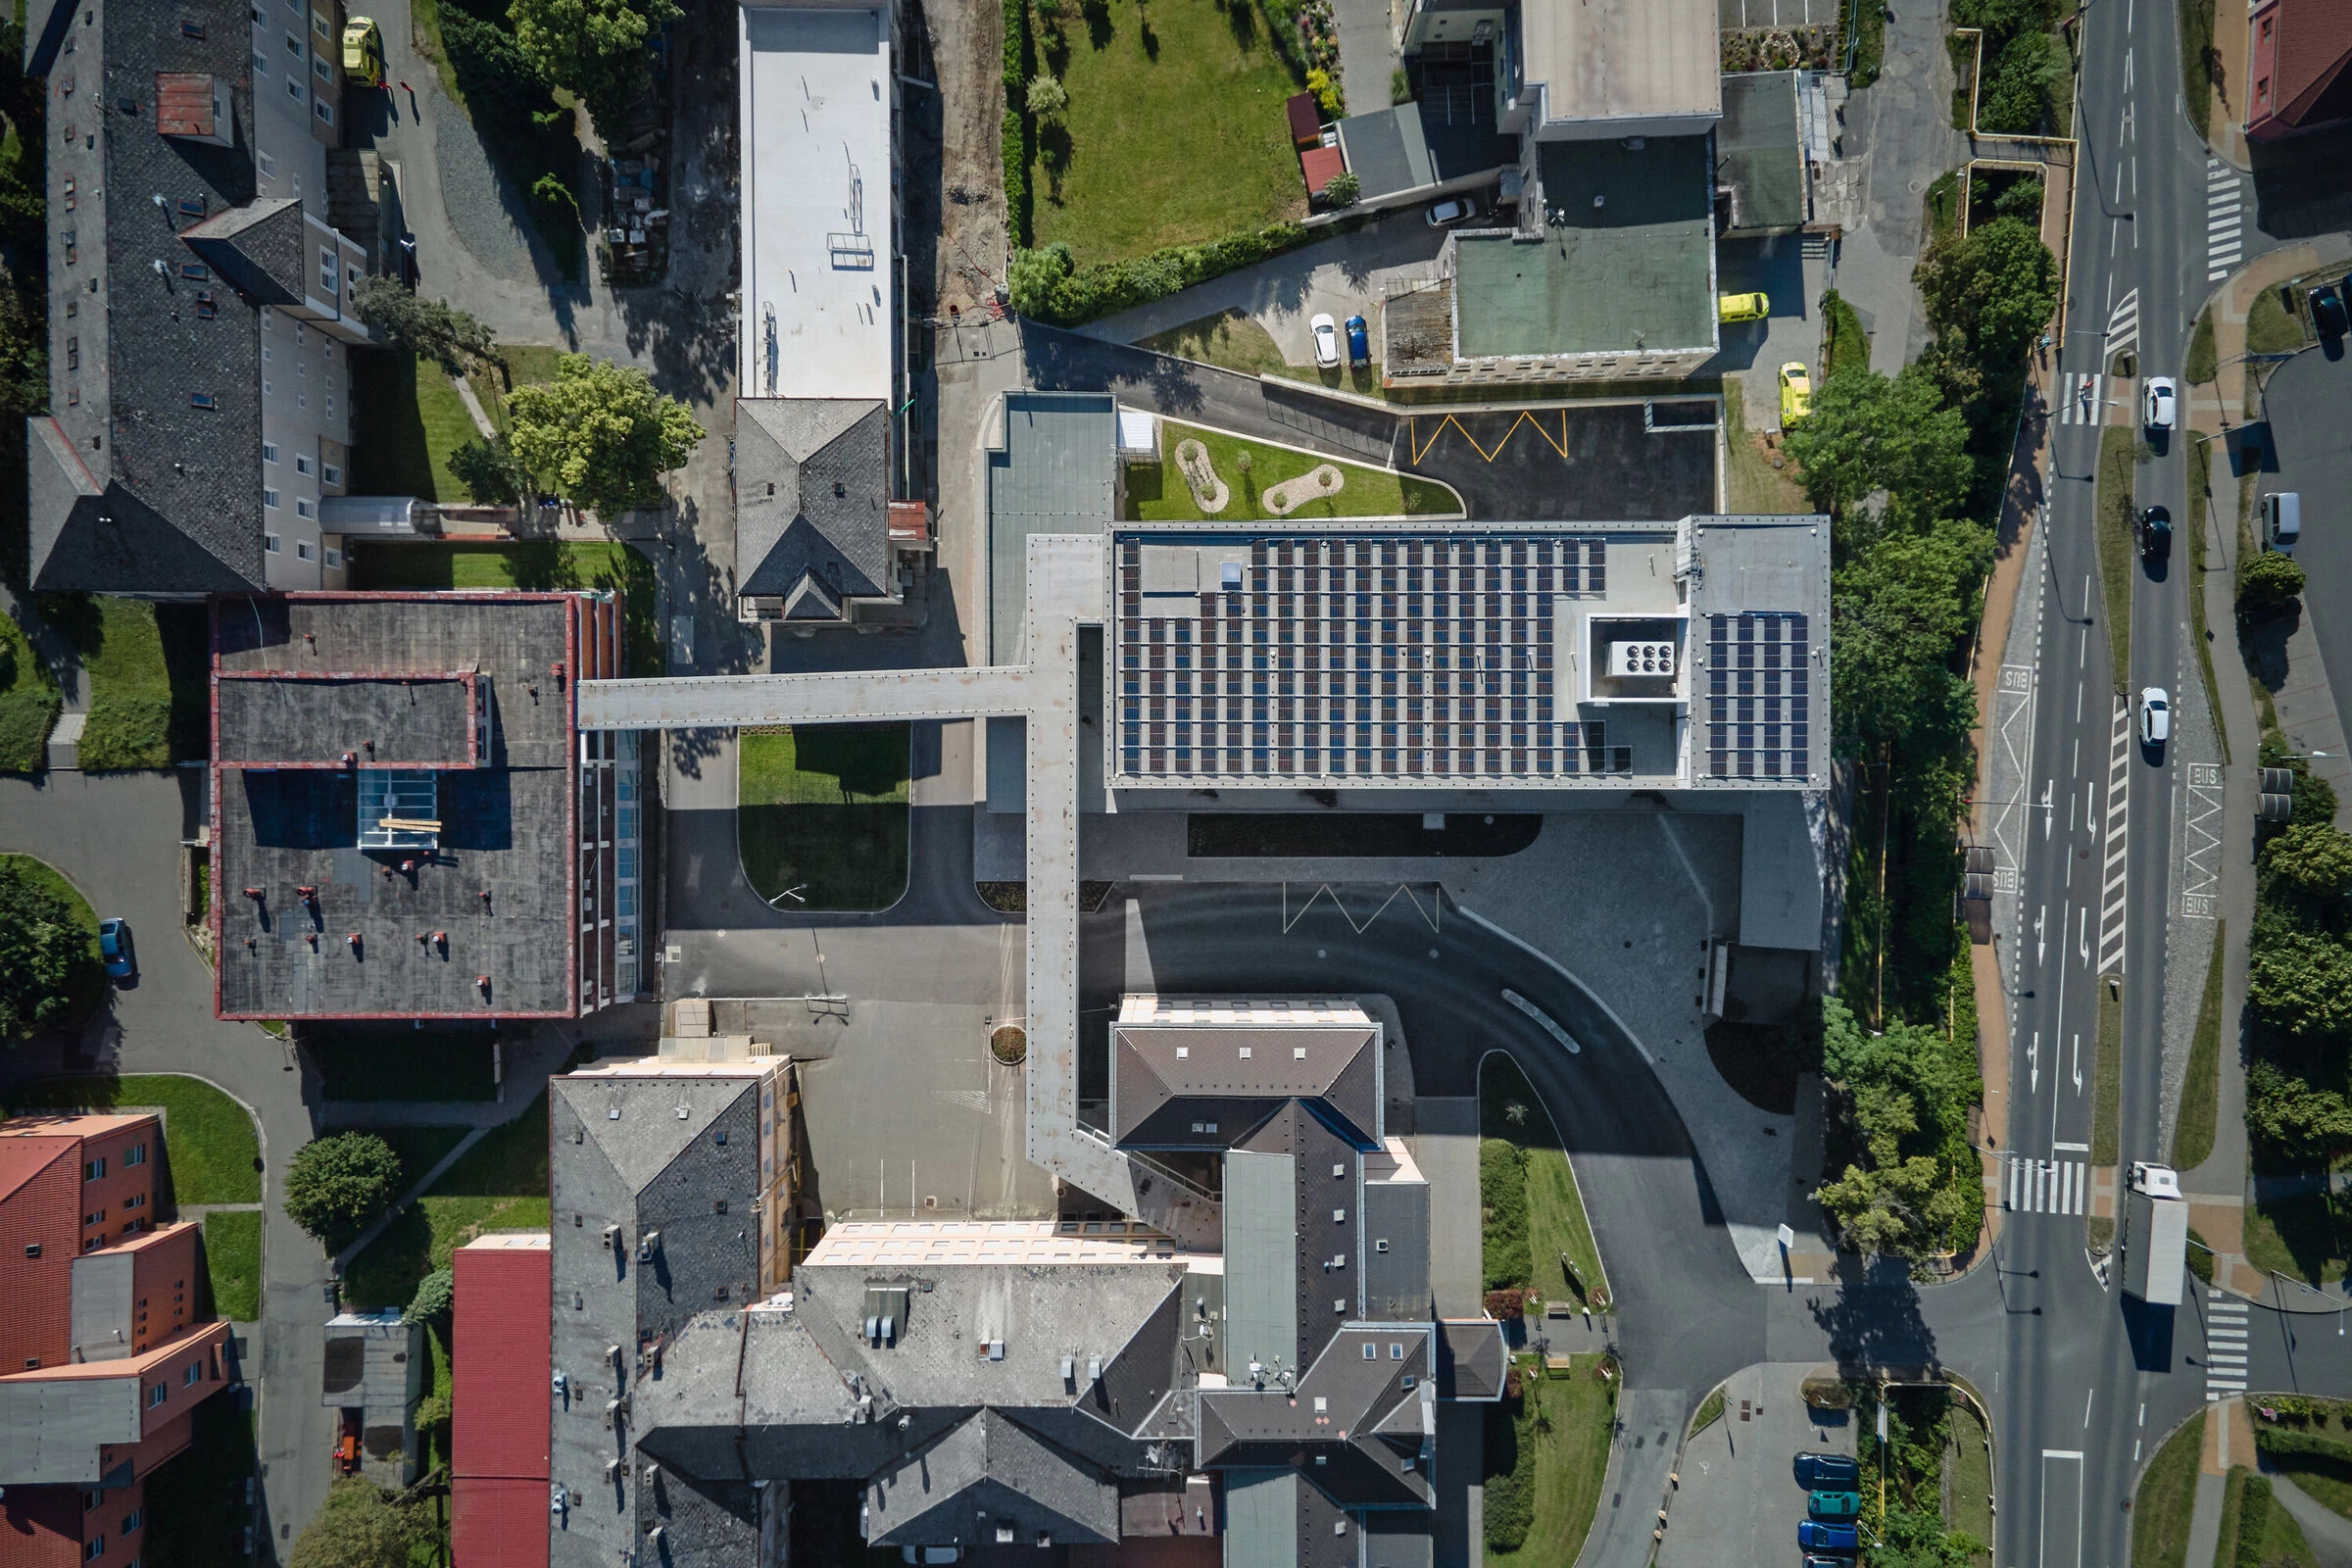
{"points": [[1759, 696], [1390, 657]]}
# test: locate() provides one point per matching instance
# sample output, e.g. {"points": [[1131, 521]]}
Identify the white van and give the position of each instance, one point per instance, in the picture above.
{"points": [[2282, 520]]}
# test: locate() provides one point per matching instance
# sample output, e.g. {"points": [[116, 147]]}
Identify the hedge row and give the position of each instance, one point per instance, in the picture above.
{"points": [[2253, 1522], [1020, 64], [1282, 23], [1047, 287], [2285, 1441], [1503, 1195]]}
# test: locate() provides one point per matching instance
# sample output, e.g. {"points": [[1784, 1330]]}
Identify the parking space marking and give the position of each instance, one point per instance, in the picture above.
{"points": [[1527, 416]]}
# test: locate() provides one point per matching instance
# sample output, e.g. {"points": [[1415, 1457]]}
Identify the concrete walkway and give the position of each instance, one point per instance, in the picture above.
{"points": [[1367, 53], [2329, 1533]]}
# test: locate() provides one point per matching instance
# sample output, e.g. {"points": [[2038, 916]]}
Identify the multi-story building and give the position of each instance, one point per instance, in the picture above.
{"points": [[498, 1488], [200, 300], [2298, 67], [104, 1354], [406, 821], [817, 432]]}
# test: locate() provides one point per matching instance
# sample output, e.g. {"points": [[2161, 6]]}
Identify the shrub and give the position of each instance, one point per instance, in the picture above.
{"points": [[1503, 1195], [336, 1185], [1326, 91], [2270, 578], [1047, 283], [1020, 60], [1046, 100], [1510, 1479], [433, 1412], [1344, 189], [47, 968], [436, 1294], [362, 1526]]}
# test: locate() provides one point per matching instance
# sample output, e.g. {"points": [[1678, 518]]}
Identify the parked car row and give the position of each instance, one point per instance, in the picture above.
{"points": [[1326, 334], [1829, 1534]]}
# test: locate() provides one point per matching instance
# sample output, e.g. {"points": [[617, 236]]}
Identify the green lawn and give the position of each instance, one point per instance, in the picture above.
{"points": [[1970, 1507], [1550, 1462], [1231, 340], [2271, 328], [194, 1490], [212, 1153], [28, 702], [1556, 1225], [823, 808], [526, 364], [1174, 134], [149, 680], [2330, 1484], [413, 419], [233, 1256], [2106, 1089], [2168, 1489], [2201, 1092], [419, 1148], [1158, 492], [537, 566], [2117, 450], [1750, 481], [2197, 68], [2198, 365], [2301, 1237], [2256, 1533], [499, 1185], [360, 1060]]}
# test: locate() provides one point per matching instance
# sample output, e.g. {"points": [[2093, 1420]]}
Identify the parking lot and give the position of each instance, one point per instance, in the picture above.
{"points": [[1740, 15], [1739, 1500], [1632, 461]]}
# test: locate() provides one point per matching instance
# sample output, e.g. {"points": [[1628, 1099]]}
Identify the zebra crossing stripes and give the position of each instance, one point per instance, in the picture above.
{"points": [[2111, 884], [2046, 1186], [2225, 219], [2225, 1345], [2122, 324], [2078, 397]]}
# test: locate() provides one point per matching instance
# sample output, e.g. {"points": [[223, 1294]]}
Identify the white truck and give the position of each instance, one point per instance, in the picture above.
{"points": [[2155, 1235]]}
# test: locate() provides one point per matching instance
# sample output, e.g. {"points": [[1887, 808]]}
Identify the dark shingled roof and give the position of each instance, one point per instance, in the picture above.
{"points": [[505, 827], [811, 502], [1167, 1077], [136, 488], [989, 1472]]}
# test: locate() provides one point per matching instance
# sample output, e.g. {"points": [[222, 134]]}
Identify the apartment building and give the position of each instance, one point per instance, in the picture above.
{"points": [[199, 298]]}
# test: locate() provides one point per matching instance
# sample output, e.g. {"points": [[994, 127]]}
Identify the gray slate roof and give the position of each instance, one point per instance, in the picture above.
{"points": [[986, 1473], [1167, 1077], [811, 501], [170, 500]]}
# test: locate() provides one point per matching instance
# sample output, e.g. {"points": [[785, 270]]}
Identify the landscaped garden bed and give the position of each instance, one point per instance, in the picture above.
{"points": [[1232, 478]]}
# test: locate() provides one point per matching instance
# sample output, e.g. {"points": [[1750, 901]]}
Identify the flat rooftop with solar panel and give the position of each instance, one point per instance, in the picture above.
{"points": [[407, 821]]}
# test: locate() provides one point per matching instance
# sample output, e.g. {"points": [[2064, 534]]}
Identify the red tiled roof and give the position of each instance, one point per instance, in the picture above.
{"points": [[2315, 60], [21, 1158], [1306, 123], [1322, 165], [499, 1443]]}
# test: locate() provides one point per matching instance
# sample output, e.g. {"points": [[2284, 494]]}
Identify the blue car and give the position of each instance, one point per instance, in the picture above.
{"points": [[1815, 1536], [1834, 1471], [114, 945], [1359, 342], [1834, 1505]]}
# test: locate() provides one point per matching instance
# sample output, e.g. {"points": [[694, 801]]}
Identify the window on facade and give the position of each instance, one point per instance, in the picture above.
{"points": [[73, 354], [268, 452], [68, 193], [302, 547], [334, 559], [264, 386], [270, 543], [32, 1248], [136, 1154], [302, 463], [304, 508], [268, 497], [260, 67], [193, 1375], [72, 241], [72, 397], [324, 111], [326, 72], [268, 167], [157, 1393], [131, 1522], [334, 474], [93, 1548], [91, 1170], [294, 46], [294, 90]]}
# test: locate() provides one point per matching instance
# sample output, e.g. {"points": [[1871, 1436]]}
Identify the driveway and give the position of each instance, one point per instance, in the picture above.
{"points": [[116, 837], [1739, 1500], [1753, 352]]}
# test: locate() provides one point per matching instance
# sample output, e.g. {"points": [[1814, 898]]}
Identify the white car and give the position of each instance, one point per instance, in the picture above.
{"points": [[1441, 213], [1327, 342], [2156, 403], [2155, 716]]}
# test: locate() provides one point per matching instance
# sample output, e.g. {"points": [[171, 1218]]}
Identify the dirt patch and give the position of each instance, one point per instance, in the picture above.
{"points": [[966, 58]]}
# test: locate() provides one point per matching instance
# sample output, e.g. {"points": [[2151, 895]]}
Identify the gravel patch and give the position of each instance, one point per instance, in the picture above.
{"points": [[473, 197]]}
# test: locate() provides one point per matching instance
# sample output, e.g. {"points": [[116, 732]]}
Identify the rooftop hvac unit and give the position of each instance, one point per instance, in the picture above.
{"points": [[611, 1237], [1642, 659], [646, 1245]]}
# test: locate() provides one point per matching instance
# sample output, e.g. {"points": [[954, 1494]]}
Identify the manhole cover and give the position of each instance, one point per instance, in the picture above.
{"points": [[1009, 1045]]}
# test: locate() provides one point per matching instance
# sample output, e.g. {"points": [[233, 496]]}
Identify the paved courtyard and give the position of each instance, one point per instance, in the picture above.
{"points": [[1739, 1500]]}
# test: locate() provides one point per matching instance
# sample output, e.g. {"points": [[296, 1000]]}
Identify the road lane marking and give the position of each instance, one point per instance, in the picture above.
{"points": [[2112, 890], [2122, 324], [2225, 219], [2200, 877]]}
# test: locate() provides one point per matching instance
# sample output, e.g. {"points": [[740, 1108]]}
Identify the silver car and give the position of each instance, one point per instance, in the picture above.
{"points": [[2155, 718], [2157, 402], [1326, 334]]}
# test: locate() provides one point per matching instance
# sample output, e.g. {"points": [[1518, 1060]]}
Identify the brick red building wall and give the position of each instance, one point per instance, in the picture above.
{"points": [[43, 1210], [499, 1356]]}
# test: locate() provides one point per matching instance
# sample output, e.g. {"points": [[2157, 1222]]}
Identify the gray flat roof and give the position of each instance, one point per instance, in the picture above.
{"points": [[1387, 151], [1058, 472], [1625, 60], [1759, 151], [1634, 272]]}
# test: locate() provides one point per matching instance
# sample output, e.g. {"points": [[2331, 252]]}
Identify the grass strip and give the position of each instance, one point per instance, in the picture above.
{"points": [[2118, 450], [2272, 327], [1547, 1455], [2167, 1495], [2198, 58], [233, 1256], [822, 813], [1963, 51], [1969, 1466], [1555, 1226], [211, 1153], [2106, 1090], [1870, 45], [28, 702], [2199, 366], [414, 420], [1231, 340], [2233, 1503], [2200, 1094], [2200, 506], [1710, 1411]]}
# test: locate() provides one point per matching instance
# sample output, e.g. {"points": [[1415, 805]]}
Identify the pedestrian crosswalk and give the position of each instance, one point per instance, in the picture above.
{"points": [[2122, 324], [2079, 395], [2224, 1344], [2112, 902], [2046, 1186], [2225, 219]]}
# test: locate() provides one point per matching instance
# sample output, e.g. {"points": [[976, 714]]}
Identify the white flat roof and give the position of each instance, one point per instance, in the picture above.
{"points": [[816, 204]]}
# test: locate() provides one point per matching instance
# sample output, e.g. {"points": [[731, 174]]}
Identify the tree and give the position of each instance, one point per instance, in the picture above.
{"points": [[488, 470], [430, 329], [1898, 608], [2270, 578], [1868, 433], [360, 1527], [2021, 201], [2300, 980], [2312, 860], [599, 433], [1034, 275], [2293, 1117], [336, 1185], [2018, 91], [595, 48], [436, 1294], [1049, 99], [433, 1412], [47, 969], [1907, 1092], [1995, 289]]}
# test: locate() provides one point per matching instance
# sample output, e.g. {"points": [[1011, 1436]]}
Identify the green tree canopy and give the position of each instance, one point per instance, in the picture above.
{"points": [[436, 1294], [2294, 1119], [594, 48], [431, 329], [2021, 83], [1899, 609], [2300, 980], [599, 433], [1907, 1090], [2312, 860], [1995, 289], [1033, 274], [360, 1527], [1868, 433], [2269, 578], [47, 969], [337, 1184]]}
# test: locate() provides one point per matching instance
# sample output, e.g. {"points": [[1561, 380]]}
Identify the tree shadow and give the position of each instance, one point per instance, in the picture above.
{"points": [[1054, 154], [1098, 31], [1875, 1322], [1242, 20]]}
